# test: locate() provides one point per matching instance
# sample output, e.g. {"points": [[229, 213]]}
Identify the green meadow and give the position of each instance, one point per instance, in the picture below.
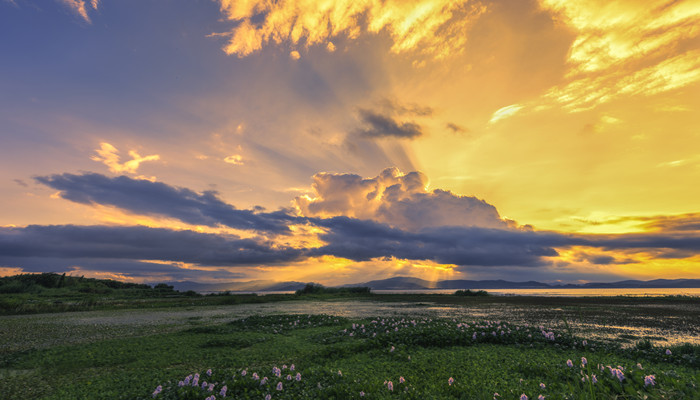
{"points": [[351, 346]]}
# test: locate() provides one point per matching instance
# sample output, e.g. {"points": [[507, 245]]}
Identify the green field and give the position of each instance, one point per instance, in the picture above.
{"points": [[346, 346]]}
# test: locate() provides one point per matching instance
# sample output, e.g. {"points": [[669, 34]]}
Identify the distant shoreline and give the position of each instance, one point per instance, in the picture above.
{"points": [[553, 292]]}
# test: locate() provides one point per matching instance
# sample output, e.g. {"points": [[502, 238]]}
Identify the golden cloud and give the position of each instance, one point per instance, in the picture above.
{"points": [[81, 7], [109, 156], [435, 28], [235, 159], [624, 48]]}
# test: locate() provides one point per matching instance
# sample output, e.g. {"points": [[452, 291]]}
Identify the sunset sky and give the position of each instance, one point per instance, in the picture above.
{"points": [[350, 140]]}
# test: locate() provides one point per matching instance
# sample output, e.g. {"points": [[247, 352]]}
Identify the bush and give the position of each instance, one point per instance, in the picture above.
{"points": [[468, 292], [315, 288]]}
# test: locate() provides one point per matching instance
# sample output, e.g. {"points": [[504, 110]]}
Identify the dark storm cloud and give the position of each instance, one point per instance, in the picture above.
{"points": [[363, 240], [138, 243], [346, 237], [378, 125], [154, 198], [643, 241], [477, 246]]}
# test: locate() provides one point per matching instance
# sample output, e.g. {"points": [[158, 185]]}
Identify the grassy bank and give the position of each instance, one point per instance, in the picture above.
{"points": [[420, 346], [342, 358]]}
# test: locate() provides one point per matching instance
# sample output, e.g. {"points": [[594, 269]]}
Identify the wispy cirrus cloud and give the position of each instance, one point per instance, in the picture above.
{"points": [[433, 28], [624, 49], [82, 7]]}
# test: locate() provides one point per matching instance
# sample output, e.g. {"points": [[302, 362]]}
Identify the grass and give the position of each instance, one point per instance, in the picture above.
{"points": [[417, 355], [138, 338]]}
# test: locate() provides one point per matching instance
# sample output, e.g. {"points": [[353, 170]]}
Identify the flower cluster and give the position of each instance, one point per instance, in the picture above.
{"points": [[230, 386], [449, 332]]}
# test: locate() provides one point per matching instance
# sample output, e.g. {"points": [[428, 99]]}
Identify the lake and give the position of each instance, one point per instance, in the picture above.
{"points": [[554, 292], [549, 292]]}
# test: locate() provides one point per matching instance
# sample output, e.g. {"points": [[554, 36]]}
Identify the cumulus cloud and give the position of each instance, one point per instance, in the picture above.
{"points": [[396, 199], [109, 156], [376, 125], [390, 216], [144, 197], [434, 28]]}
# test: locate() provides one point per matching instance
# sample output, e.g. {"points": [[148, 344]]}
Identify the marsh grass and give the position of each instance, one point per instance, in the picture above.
{"points": [[423, 352]]}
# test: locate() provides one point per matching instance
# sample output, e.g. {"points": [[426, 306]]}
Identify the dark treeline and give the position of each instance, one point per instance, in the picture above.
{"points": [[55, 283], [315, 288]]}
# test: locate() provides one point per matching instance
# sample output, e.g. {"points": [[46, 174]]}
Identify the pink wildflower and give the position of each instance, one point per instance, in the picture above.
{"points": [[401, 379], [584, 361], [362, 394], [268, 397], [668, 352], [157, 391], [523, 397], [279, 385], [450, 381], [649, 380], [542, 385], [390, 385], [569, 363]]}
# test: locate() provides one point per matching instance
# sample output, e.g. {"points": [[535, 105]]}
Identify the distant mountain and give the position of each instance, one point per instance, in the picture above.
{"points": [[492, 284], [653, 284], [410, 283], [397, 283]]}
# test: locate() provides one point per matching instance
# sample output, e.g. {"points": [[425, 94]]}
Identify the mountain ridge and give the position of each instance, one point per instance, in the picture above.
{"points": [[411, 283]]}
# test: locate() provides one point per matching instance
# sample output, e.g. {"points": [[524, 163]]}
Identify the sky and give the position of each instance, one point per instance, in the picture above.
{"points": [[345, 141]]}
